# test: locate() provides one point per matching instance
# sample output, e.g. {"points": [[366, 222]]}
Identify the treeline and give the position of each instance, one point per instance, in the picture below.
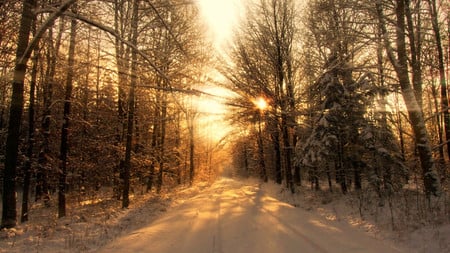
{"points": [[356, 90], [101, 96]]}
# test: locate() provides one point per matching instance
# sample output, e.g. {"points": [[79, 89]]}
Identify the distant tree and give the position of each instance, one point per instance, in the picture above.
{"points": [[190, 119], [265, 66]]}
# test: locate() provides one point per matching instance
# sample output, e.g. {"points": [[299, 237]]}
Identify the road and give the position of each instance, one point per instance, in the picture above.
{"points": [[231, 217]]}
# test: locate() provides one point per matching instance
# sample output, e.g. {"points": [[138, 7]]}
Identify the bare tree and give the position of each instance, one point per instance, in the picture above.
{"points": [[23, 53], [264, 58], [64, 148], [400, 63], [31, 134], [15, 117], [131, 107], [442, 81]]}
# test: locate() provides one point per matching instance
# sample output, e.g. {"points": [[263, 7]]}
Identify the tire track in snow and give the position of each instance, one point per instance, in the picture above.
{"points": [[295, 231], [259, 205], [217, 238]]}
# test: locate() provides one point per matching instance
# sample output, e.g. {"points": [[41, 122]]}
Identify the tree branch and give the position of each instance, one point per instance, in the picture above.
{"points": [[49, 22], [115, 34]]}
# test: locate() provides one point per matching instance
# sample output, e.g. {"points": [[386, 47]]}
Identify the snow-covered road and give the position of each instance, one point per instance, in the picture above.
{"points": [[233, 217]]}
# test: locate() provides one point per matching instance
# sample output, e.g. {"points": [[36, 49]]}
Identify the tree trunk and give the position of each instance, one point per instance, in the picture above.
{"points": [[287, 156], [177, 147], [122, 61], [441, 67], [9, 211], [414, 36], [434, 103], [85, 89], [276, 146], [246, 165], [162, 143], [330, 184], [191, 149], [262, 164], [156, 116], [31, 112], [399, 122], [341, 175], [357, 166], [97, 83], [121, 16], [62, 185], [131, 107], [42, 173]]}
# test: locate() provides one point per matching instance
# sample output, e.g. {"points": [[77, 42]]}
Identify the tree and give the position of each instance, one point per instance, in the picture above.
{"points": [[131, 107], [23, 53], [346, 99], [45, 153], [441, 68], [400, 64], [190, 118], [264, 57], [15, 117], [31, 134], [121, 23], [64, 148], [167, 42]]}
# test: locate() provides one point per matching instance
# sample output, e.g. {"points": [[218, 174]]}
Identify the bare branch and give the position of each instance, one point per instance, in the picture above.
{"points": [[49, 22], [115, 34], [167, 27]]}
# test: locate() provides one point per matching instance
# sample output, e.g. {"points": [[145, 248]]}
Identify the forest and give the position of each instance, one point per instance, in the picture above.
{"points": [[344, 96]]}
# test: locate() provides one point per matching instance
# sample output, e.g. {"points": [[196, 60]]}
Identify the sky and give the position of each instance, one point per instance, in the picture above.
{"points": [[221, 16]]}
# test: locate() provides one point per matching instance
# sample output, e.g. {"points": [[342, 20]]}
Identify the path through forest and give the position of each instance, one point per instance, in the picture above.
{"points": [[234, 217]]}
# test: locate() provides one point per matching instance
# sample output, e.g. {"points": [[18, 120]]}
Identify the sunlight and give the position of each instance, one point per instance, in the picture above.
{"points": [[221, 17], [324, 226], [212, 112], [211, 105], [90, 202], [261, 103]]}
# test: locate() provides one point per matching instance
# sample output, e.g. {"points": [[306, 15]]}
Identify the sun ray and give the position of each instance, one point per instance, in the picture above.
{"points": [[221, 16]]}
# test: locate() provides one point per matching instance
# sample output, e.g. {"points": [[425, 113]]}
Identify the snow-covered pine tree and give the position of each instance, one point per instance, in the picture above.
{"points": [[347, 141]]}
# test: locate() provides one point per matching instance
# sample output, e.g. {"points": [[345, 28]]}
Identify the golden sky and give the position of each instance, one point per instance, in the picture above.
{"points": [[221, 17]]}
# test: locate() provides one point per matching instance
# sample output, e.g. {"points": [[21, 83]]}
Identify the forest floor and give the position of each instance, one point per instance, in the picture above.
{"points": [[228, 216]]}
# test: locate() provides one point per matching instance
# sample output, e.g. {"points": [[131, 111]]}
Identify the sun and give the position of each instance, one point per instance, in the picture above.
{"points": [[261, 103]]}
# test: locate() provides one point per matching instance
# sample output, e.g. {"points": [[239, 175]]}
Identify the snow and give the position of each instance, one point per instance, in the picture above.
{"points": [[228, 216], [410, 234], [232, 216]]}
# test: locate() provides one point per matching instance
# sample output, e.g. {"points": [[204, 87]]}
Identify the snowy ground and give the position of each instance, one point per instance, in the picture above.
{"points": [[230, 216], [426, 232]]}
